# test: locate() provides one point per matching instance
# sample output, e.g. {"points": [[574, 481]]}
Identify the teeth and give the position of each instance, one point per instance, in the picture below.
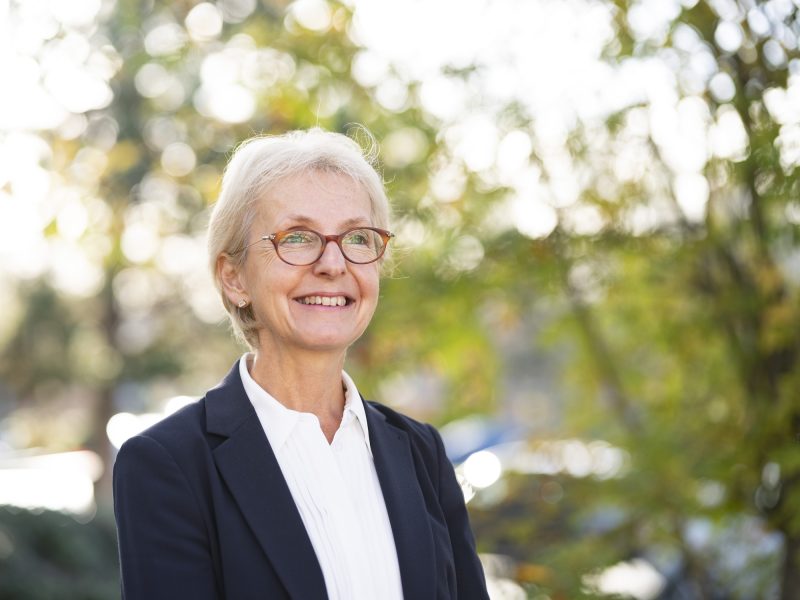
{"points": [[325, 300]]}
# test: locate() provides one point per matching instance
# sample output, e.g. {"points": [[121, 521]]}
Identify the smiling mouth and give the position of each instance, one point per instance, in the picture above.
{"points": [[325, 300]]}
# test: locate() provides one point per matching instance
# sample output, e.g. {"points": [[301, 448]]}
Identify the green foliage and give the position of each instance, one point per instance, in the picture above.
{"points": [[690, 347]]}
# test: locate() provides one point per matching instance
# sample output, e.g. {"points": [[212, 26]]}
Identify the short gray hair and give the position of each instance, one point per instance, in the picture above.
{"points": [[261, 162]]}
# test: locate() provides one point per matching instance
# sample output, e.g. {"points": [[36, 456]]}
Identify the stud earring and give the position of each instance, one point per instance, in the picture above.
{"points": [[242, 303]]}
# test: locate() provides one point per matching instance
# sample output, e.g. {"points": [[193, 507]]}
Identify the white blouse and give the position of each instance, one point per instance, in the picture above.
{"points": [[336, 490]]}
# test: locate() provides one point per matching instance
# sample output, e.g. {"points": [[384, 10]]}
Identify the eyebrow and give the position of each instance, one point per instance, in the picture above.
{"points": [[304, 220]]}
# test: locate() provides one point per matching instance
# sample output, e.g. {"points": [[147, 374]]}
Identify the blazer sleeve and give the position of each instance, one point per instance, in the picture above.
{"points": [[163, 539], [470, 579]]}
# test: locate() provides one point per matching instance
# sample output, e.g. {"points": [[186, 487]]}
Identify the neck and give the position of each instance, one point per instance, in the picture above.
{"points": [[302, 381]]}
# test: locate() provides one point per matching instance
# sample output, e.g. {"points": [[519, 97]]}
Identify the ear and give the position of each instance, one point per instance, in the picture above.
{"points": [[232, 279]]}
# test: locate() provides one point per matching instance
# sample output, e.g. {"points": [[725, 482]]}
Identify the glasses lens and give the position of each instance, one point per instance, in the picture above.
{"points": [[362, 245], [299, 247]]}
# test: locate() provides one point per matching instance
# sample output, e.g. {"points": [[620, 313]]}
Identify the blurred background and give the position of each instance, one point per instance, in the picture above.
{"points": [[595, 296]]}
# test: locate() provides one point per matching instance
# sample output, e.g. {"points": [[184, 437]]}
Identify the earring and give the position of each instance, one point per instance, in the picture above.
{"points": [[242, 303]]}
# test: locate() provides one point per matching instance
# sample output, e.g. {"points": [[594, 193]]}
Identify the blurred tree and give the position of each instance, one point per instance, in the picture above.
{"points": [[684, 294]]}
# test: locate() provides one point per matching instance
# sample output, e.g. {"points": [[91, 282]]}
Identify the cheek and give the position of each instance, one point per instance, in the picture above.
{"points": [[370, 286], [263, 270]]}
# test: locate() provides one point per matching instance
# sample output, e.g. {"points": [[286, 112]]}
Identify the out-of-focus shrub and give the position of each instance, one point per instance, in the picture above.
{"points": [[51, 556]]}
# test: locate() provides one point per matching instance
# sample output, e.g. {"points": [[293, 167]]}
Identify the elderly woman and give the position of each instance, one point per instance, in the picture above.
{"points": [[282, 482]]}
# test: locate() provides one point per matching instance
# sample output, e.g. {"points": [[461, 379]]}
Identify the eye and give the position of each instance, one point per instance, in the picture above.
{"points": [[358, 237], [298, 237]]}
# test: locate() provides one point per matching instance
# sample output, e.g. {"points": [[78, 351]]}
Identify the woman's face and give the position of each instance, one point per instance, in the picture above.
{"points": [[281, 294]]}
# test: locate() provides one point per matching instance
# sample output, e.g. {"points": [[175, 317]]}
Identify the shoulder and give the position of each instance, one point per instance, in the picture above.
{"points": [[176, 438], [400, 420], [179, 427], [422, 436]]}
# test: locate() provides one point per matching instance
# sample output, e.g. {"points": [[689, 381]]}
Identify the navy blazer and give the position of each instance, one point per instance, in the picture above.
{"points": [[203, 511]]}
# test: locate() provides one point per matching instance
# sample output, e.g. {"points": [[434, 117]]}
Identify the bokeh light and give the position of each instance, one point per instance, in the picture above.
{"points": [[482, 469]]}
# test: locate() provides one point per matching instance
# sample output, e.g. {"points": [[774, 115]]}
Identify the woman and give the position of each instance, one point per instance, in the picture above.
{"points": [[282, 482]]}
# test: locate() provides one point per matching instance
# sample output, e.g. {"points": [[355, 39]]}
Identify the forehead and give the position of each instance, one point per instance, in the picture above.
{"points": [[318, 198]]}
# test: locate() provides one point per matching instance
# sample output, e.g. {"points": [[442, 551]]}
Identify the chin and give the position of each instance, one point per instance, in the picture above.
{"points": [[331, 338], [328, 344]]}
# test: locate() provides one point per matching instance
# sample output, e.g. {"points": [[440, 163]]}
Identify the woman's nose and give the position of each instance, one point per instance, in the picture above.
{"points": [[332, 261]]}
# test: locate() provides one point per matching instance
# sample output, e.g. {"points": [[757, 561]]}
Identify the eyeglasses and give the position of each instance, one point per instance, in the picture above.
{"points": [[302, 247]]}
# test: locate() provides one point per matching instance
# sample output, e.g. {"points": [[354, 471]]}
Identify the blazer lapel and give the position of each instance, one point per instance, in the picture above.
{"points": [[405, 505], [249, 467]]}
